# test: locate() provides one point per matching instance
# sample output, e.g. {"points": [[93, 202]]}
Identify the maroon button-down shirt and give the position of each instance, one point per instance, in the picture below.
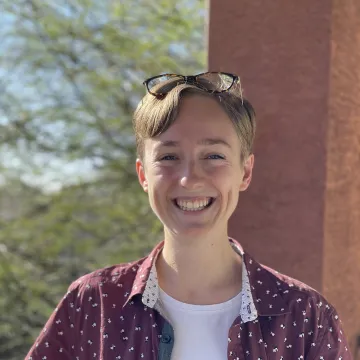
{"points": [[113, 313]]}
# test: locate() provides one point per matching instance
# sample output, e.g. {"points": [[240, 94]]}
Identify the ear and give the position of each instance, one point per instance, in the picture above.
{"points": [[248, 169], [140, 170]]}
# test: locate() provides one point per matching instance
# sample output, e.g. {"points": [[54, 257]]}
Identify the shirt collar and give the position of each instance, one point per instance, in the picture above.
{"points": [[261, 293]]}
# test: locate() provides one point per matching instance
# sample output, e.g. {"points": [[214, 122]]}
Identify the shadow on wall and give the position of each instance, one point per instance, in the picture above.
{"points": [[357, 349]]}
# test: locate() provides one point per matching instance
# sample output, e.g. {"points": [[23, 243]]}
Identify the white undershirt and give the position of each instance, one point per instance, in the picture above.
{"points": [[200, 331]]}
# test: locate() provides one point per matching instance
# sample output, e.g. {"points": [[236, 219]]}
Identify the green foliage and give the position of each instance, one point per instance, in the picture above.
{"points": [[71, 75]]}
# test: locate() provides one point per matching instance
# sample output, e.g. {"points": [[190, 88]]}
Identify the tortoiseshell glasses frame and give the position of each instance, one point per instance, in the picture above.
{"points": [[212, 82]]}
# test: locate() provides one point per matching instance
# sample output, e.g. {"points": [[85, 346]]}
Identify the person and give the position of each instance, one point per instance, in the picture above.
{"points": [[198, 294]]}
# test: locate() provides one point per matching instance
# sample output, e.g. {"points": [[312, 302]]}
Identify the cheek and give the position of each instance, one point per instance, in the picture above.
{"points": [[159, 183], [164, 176], [231, 200], [226, 175], [229, 183]]}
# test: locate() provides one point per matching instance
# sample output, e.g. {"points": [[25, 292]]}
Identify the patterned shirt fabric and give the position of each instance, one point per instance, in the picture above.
{"points": [[115, 313]]}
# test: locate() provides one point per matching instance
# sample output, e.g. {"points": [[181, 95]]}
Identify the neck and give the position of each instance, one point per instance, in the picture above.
{"points": [[199, 271]]}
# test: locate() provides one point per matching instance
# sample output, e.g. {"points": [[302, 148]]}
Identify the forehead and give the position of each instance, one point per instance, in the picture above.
{"points": [[200, 117]]}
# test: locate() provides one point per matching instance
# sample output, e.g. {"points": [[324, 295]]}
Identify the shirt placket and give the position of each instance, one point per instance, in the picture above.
{"points": [[166, 342], [246, 341], [235, 349]]}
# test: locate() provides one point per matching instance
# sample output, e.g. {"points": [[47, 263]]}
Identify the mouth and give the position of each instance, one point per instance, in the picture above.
{"points": [[194, 205]]}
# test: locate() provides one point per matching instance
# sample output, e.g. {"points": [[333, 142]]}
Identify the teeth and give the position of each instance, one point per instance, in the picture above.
{"points": [[196, 205]]}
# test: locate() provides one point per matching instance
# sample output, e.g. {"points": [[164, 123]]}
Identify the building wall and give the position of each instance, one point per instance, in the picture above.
{"points": [[298, 66]]}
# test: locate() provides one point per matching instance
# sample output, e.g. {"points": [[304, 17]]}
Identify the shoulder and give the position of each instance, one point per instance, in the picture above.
{"points": [[301, 298], [106, 281], [295, 288], [307, 317]]}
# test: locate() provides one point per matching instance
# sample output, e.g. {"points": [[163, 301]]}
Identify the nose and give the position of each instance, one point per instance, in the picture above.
{"points": [[191, 177]]}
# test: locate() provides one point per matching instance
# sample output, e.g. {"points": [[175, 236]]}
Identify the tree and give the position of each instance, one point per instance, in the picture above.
{"points": [[70, 78]]}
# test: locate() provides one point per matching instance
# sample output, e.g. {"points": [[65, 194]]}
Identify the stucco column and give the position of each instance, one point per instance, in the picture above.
{"points": [[299, 63]]}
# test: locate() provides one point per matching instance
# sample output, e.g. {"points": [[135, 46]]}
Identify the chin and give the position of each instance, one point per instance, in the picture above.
{"points": [[192, 231]]}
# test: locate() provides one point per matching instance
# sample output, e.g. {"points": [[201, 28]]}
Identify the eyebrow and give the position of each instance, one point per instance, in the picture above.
{"points": [[207, 141]]}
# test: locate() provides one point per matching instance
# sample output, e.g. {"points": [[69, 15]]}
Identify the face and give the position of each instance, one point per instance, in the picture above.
{"points": [[192, 172]]}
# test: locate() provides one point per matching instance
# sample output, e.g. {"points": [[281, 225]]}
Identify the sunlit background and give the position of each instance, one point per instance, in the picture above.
{"points": [[71, 74]]}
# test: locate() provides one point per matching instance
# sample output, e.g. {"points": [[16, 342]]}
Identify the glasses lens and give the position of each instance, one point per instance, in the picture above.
{"points": [[163, 84], [215, 81]]}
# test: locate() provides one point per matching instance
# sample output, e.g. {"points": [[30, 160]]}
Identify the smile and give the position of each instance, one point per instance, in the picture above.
{"points": [[197, 204]]}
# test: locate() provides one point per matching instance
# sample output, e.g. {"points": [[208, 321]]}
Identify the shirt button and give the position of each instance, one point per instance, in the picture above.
{"points": [[166, 338]]}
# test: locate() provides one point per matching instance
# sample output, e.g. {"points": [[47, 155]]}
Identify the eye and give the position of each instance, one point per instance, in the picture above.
{"points": [[168, 157], [216, 157]]}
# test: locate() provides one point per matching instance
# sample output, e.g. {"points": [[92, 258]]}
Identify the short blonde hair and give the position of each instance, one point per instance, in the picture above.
{"points": [[154, 115]]}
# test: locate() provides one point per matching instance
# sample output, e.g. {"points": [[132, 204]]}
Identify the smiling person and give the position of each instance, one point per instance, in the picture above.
{"points": [[198, 295]]}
